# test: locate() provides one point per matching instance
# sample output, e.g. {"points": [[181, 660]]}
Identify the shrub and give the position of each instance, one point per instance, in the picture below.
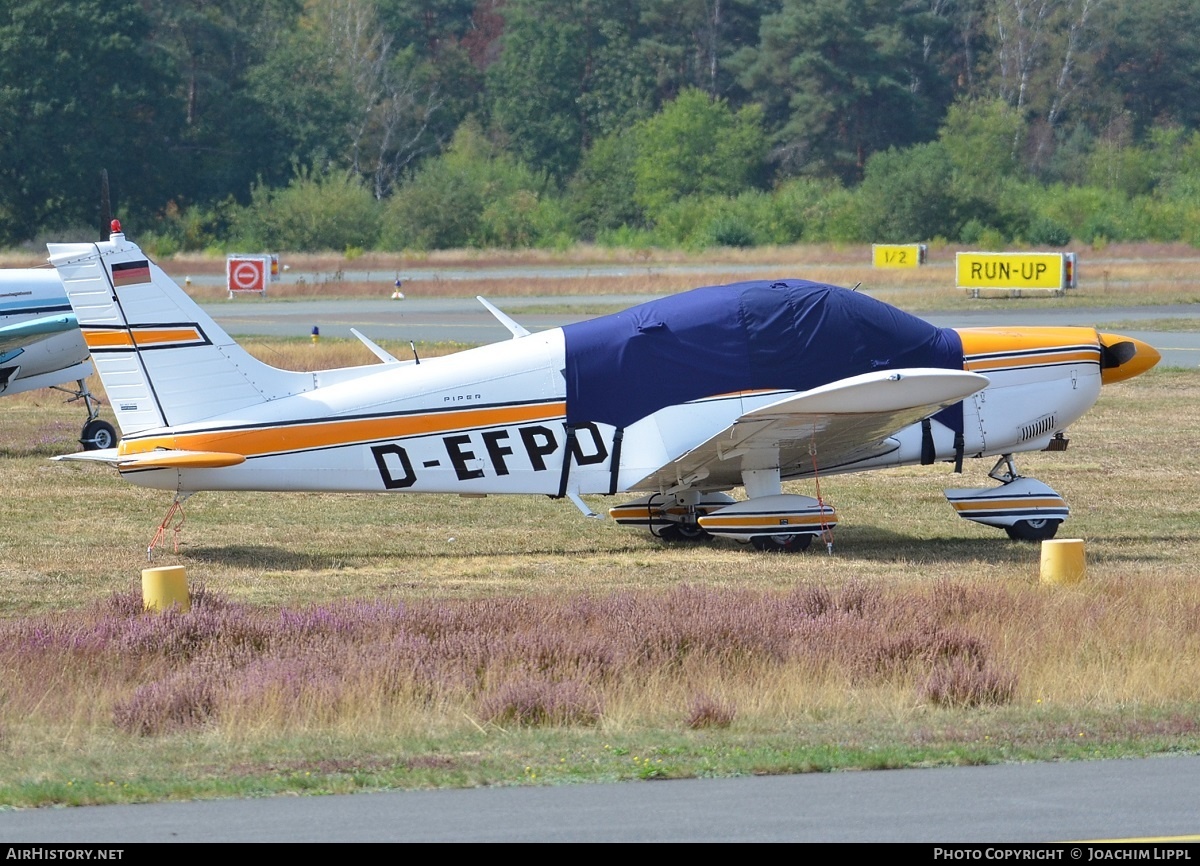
{"points": [[472, 196], [705, 711], [905, 195], [696, 146], [1044, 231], [315, 212], [535, 701], [964, 682], [179, 703]]}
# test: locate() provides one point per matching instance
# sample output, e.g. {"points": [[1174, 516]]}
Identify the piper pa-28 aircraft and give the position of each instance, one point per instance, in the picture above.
{"points": [[680, 399], [41, 346]]}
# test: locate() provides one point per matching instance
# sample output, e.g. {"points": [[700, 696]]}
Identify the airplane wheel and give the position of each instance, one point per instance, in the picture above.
{"points": [[1033, 530], [781, 543], [679, 532], [97, 434]]}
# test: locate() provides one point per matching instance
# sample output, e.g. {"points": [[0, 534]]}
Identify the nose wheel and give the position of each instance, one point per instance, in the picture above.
{"points": [[97, 435], [781, 543], [1033, 530], [1025, 508]]}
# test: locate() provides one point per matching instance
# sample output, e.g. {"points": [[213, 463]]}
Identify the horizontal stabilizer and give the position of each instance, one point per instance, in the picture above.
{"points": [[504, 319], [23, 333], [99, 455], [378, 351], [159, 459]]}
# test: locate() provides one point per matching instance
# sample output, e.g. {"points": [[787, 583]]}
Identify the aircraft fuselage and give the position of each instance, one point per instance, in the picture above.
{"points": [[451, 425]]}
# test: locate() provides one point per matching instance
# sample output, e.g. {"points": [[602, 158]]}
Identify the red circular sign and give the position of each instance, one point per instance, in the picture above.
{"points": [[246, 276]]}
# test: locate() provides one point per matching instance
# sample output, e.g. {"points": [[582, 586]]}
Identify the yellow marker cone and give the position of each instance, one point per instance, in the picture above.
{"points": [[1063, 561], [165, 587]]}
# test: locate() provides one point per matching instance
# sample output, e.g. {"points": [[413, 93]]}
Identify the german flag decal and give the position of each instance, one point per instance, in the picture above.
{"points": [[131, 273]]}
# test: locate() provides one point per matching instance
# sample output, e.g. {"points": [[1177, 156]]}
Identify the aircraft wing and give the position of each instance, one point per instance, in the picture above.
{"points": [[838, 424], [16, 337]]}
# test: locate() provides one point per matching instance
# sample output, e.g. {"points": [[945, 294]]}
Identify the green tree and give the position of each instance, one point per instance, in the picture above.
{"points": [[1148, 62], [471, 196], [983, 140], [306, 94], [451, 43], [342, 93], [331, 211], [566, 75], [907, 197], [80, 91], [228, 137], [842, 79], [689, 43], [601, 193], [697, 146], [1041, 63]]}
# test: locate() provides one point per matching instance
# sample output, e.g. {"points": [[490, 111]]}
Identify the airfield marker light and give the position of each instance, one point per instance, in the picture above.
{"points": [[1063, 561], [316, 334], [164, 588]]}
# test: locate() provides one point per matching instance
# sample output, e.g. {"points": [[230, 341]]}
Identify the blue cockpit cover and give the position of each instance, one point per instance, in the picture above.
{"points": [[790, 334]]}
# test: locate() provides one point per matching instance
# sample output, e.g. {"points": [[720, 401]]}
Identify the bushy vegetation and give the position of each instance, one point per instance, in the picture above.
{"points": [[508, 661], [328, 125], [475, 195]]}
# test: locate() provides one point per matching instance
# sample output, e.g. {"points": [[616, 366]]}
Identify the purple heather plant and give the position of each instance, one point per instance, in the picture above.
{"points": [[527, 660]]}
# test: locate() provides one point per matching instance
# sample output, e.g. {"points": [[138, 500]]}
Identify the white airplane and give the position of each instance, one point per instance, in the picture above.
{"points": [[680, 399], [41, 345]]}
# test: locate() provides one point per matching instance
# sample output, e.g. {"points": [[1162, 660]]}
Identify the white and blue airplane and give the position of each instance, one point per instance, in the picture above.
{"points": [[41, 345], [680, 400]]}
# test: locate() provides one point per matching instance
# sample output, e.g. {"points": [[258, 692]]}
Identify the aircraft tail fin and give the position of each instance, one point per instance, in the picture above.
{"points": [[162, 359]]}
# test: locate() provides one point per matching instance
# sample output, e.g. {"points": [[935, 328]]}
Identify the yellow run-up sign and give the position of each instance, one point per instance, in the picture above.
{"points": [[1015, 270], [897, 255]]}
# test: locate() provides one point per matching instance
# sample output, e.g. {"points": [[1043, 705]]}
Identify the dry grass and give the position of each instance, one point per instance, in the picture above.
{"points": [[922, 638]]}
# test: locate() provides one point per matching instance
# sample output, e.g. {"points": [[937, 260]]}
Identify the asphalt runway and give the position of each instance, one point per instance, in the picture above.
{"points": [[465, 320], [1061, 805]]}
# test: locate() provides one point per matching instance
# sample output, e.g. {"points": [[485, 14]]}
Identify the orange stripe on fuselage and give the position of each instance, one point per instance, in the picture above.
{"points": [[284, 438], [1005, 348], [1032, 359]]}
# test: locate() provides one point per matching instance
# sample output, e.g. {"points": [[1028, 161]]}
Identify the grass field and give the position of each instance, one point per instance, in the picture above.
{"points": [[343, 642]]}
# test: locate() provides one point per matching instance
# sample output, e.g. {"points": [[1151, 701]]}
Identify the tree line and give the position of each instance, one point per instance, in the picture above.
{"points": [[418, 124]]}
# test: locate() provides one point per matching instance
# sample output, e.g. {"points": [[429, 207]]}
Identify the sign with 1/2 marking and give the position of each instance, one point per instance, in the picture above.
{"points": [[898, 255]]}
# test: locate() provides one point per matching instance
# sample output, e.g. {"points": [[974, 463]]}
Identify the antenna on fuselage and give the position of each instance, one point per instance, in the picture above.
{"points": [[416, 357], [105, 206]]}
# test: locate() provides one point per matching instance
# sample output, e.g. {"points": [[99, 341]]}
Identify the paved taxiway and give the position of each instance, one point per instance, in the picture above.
{"points": [[1087, 800]]}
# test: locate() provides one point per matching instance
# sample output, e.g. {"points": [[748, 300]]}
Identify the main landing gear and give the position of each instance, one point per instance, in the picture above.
{"points": [[97, 433], [779, 523]]}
